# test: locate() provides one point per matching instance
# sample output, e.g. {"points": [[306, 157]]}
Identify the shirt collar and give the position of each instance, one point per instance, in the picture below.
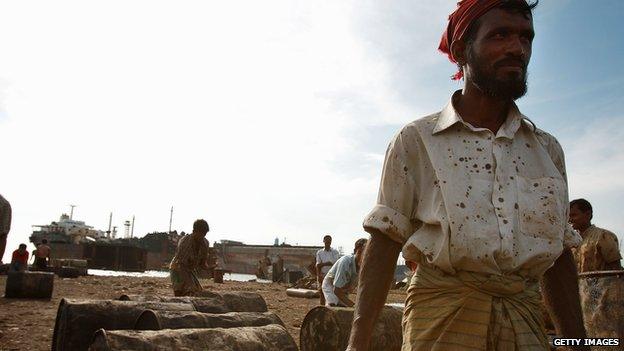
{"points": [[449, 117]]}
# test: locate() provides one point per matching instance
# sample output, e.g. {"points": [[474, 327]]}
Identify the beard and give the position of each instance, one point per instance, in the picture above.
{"points": [[511, 88]]}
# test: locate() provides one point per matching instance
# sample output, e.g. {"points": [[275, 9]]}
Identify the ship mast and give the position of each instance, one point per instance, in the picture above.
{"points": [[132, 230], [170, 219], [110, 221], [71, 213]]}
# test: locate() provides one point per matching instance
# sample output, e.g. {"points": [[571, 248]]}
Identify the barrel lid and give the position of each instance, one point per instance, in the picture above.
{"points": [[601, 274]]}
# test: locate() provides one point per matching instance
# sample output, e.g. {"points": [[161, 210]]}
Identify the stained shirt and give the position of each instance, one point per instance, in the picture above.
{"points": [[322, 256], [190, 254], [463, 198], [5, 216], [598, 248], [344, 272]]}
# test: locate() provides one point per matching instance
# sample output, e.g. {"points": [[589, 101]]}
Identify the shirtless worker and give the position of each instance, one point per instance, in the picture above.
{"points": [[599, 250], [477, 196], [191, 254], [42, 255]]}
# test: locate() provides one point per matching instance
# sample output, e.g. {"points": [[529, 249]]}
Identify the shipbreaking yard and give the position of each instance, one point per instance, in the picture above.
{"points": [[28, 324]]}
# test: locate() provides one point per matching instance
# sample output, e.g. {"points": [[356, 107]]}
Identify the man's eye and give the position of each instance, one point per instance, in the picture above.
{"points": [[498, 35]]}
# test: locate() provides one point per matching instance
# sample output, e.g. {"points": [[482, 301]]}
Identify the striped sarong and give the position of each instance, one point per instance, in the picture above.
{"points": [[471, 311], [184, 281]]}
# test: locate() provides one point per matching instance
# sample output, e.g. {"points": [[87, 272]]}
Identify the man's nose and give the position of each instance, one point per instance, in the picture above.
{"points": [[516, 47]]}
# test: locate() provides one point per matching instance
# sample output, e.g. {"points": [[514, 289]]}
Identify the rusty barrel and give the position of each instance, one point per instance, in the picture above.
{"points": [[68, 272], [77, 320], [218, 275], [602, 300], [157, 320], [266, 338], [212, 302], [328, 329], [30, 285]]}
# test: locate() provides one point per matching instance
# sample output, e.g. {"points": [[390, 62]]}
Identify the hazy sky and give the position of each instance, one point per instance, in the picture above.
{"points": [[267, 118]]}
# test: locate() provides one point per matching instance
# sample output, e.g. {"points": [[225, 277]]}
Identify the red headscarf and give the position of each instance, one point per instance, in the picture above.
{"points": [[467, 12]]}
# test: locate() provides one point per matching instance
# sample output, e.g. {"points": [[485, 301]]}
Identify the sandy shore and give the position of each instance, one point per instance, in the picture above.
{"points": [[28, 324]]}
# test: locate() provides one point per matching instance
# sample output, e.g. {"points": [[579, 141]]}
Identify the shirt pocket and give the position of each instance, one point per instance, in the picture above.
{"points": [[541, 207]]}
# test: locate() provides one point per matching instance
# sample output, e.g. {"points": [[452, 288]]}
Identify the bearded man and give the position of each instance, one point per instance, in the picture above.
{"points": [[477, 196]]}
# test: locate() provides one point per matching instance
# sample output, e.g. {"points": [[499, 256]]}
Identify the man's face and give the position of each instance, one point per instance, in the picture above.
{"points": [[327, 241], [201, 233], [359, 255], [498, 56], [579, 219]]}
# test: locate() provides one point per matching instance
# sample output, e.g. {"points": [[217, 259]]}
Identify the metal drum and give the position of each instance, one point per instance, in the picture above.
{"points": [[602, 300]]}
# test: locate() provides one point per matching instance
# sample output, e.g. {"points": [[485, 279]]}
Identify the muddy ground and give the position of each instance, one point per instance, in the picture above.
{"points": [[28, 324]]}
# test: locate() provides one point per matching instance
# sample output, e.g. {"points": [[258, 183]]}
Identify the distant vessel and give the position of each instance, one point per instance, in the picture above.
{"points": [[66, 230], [69, 238]]}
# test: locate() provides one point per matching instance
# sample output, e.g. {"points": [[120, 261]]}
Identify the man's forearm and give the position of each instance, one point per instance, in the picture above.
{"points": [[376, 275], [343, 295], [561, 295]]}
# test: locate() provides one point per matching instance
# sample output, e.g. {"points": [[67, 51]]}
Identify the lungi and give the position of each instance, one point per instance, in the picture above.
{"points": [[472, 311]]}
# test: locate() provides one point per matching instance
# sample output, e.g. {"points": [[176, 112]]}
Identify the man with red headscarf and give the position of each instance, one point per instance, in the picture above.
{"points": [[477, 196]]}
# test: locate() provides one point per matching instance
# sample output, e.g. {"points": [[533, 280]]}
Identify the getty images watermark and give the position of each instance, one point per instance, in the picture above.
{"points": [[586, 342]]}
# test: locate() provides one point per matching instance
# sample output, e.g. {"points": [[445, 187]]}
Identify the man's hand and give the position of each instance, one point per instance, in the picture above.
{"points": [[343, 295], [376, 275], [561, 295]]}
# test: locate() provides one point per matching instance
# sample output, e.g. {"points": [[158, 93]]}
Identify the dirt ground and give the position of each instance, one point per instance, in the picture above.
{"points": [[28, 324]]}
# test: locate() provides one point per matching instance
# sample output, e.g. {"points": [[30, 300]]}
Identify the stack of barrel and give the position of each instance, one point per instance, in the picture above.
{"points": [[69, 268], [213, 321]]}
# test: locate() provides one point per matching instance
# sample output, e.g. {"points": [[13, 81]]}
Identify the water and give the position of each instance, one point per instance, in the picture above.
{"points": [[237, 277]]}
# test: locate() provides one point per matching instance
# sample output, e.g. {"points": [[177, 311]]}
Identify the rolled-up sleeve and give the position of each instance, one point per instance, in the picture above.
{"points": [[609, 248], [396, 201]]}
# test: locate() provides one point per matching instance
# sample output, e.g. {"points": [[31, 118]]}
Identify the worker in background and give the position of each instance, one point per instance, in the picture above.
{"points": [[325, 259], [342, 278], [5, 224], [42, 255], [263, 266], [599, 250], [191, 254], [19, 259]]}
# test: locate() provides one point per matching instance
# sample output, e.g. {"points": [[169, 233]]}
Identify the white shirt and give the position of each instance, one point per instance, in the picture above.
{"points": [[460, 197], [323, 256]]}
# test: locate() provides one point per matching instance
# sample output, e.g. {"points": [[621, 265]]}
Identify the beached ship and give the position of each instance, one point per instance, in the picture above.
{"points": [[73, 239]]}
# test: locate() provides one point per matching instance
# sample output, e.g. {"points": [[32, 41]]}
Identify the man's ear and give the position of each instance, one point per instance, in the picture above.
{"points": [[458, 49]]}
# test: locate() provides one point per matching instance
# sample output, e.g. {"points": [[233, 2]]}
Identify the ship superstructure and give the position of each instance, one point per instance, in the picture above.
{"points": [[66, 230]]}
